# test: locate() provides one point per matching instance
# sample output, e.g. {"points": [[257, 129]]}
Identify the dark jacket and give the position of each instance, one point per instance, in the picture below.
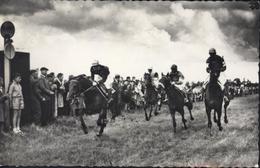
{"points": [[100, 70], [44, 86], [216, 63]]}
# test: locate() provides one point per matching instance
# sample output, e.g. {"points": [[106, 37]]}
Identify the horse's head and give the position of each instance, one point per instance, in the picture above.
{"points": [[147, 79], [165, 81], [73, 89]]}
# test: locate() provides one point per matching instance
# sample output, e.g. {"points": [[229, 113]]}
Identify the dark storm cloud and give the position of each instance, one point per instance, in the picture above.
{"points": [[18, 7], [216, 5], [240, 32]]}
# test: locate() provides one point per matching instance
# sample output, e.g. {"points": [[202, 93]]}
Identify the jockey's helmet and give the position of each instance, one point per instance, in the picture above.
{"points": [[95, 62], [150, 69], [212, 51], [174, 67]]}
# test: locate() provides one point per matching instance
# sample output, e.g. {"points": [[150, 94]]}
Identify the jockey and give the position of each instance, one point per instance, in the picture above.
{"points": [[156, 83], [177, 78], [99, 74], [215, 62]]}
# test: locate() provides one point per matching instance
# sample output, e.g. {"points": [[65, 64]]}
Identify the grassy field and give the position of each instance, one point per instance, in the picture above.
{"points": [[132, 141]]}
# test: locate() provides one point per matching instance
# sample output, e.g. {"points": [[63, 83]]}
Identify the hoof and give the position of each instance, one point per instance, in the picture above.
{"points": [[98, 135], [226, 120], [215, 120], [191, 118], [146, 118], [220, 128], [156, 113], [85, 131]]}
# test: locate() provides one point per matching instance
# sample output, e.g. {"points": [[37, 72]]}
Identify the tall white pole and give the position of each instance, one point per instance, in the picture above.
{"points": [[7, 71]]}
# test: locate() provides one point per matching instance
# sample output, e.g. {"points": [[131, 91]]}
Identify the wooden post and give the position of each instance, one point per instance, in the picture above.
{"points": [[7, 73]]}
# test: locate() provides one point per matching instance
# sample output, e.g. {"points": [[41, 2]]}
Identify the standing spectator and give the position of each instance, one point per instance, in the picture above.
{"points": [[68, 105], [60, 93], [66, 108], [35, 97], [3, 98], [46, 93], [17, 102], [54, 111]]}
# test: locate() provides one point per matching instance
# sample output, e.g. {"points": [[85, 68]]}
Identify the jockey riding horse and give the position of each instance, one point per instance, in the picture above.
{"points": [[99, 74], [151, 95], [214, 94], [176, 79]]}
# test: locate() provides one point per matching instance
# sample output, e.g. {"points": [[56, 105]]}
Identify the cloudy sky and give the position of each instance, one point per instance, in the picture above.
{"points": [[129, 37]]}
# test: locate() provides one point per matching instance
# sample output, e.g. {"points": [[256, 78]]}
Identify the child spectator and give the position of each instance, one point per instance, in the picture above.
{"points": [[16, 102]]}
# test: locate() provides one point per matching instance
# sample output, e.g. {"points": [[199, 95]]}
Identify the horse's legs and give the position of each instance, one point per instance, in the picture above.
{"points": [[83, 124], [183, 118], [215, 117], [146, 116], [103, 121], [225, 110], [155, 110], [219, 119], [173, 119], [189, 105], [208, 111], [151, 110]]}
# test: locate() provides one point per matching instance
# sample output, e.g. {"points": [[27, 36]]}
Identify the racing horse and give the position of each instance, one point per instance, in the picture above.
{"points": [[214, 97], [89, 100], [175, 101], [151, 97]]}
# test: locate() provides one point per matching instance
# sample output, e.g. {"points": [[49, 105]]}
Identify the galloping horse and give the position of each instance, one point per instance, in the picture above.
{"points": [[175, 101], [151, 97], [89, 100], [214, 98]]}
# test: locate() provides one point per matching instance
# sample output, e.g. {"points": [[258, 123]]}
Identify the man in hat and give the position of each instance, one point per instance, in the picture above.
{"points": [[35, 97], [45, 92], [99, 74], [116, 84]]}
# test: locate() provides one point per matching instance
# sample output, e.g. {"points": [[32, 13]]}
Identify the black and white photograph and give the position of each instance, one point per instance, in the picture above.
{"points": [[129, 83]]}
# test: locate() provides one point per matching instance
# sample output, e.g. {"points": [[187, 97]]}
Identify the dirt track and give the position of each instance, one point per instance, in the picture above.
{"points": [[132, 141]]}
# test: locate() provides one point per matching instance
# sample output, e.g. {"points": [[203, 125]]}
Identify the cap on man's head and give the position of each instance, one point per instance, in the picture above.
{"points": [[95, 62], [49, 76], [44, 69], [32, 71]]}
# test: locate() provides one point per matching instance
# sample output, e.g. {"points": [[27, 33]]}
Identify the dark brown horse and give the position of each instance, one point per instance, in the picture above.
{"points": [[214, 99], [151, 97], [175, 101], [88, 100]]}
